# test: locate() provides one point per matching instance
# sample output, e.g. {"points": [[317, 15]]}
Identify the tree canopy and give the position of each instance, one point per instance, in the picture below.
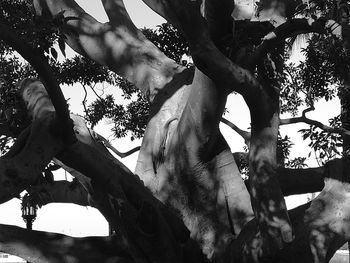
{"points": [[190, 199]]}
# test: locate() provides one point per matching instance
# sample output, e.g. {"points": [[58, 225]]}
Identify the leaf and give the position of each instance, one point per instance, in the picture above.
{"points": [[54, 53], [62, 46]]}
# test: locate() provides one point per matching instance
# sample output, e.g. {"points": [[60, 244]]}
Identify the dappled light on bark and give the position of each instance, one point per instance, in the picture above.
{"points": [[186, 201]]}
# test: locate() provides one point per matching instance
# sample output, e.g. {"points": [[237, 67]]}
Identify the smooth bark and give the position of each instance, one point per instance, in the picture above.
{"points": [[118, 45]]}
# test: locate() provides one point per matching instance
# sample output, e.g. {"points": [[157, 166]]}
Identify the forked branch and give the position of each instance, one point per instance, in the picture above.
{"points": [[304, 119]]}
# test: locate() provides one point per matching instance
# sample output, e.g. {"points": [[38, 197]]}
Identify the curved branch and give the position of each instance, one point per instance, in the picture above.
{"points": [[40, 64], [113, 149], [301, 181], [245, 135]]}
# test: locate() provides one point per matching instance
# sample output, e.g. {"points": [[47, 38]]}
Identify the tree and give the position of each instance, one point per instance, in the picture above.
{"points": [[192, 204]]}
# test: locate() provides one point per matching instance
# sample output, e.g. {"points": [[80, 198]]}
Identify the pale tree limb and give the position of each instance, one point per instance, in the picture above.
{"points": [[262, 101], [176, 82], [147, 224], [118, 45], [186, 15]]}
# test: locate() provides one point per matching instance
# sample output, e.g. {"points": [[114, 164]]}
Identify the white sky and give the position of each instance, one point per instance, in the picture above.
{"points": [[80, 221]]}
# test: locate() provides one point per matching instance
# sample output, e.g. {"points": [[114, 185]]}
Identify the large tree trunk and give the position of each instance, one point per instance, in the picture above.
{"points": [[189, 166]]}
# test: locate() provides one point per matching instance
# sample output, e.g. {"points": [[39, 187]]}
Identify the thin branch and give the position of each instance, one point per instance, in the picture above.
{"points": [[186, 15], [311, 108], [245, 134], [110, 146], [84, 100], [304, 119], [94, 91]]}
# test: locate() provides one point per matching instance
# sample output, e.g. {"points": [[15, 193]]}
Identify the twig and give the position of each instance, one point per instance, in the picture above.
{"points": [[245, 134], [318, 124]]}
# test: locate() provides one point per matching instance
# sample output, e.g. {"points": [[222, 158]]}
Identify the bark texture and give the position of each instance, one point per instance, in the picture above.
{"points": [[191, 204]]}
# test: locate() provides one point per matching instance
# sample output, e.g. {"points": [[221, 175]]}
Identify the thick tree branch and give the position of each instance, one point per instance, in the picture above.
{"points": [[186, 15], [301, 181], [288, 29], [40, 64], [60, 192], [144, 222], [43, 247], [23, 166], [118, 45]]}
